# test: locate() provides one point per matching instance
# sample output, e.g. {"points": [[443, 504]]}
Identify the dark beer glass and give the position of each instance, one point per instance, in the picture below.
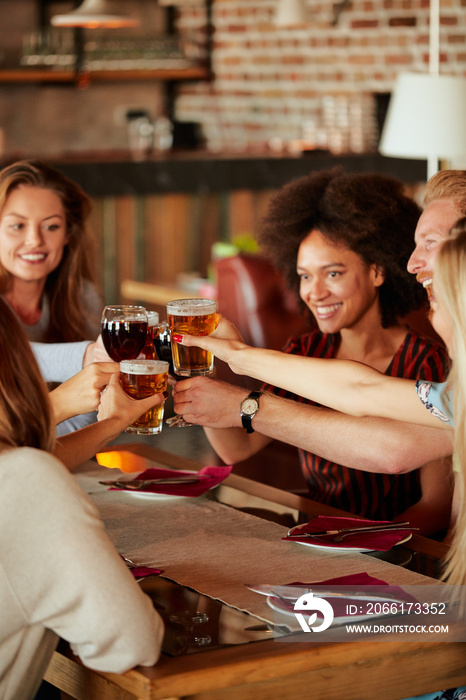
{"points": [[124, 331]]}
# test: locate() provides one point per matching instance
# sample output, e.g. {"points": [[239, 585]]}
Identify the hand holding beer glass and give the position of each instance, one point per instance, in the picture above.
{"points": [[196, 317], [192, 317], [140, 379]]}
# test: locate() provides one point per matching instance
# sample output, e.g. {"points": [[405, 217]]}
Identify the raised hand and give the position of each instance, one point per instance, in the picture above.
{"points": [[81, 393], [197, 399], [115, 404]]}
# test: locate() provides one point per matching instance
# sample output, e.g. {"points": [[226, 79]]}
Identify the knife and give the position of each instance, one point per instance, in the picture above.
{"points": [[295, 592], [356, 530], [136, 484]]}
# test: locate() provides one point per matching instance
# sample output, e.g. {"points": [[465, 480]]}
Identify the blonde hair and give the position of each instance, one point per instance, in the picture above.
{"points": [[450, 286], [26, 417], [64, 285], [448, 184]]}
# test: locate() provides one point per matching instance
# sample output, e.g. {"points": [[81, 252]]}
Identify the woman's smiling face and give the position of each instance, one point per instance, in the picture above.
{"points": [[32, 233], [336, 284]]}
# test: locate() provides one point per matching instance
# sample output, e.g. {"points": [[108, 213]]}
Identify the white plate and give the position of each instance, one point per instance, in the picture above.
{"points": [[275, 604], [151, 496], [329, 547]]}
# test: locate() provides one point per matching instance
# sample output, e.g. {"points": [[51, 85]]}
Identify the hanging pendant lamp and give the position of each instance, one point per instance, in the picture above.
{"points": [[95, 14]]}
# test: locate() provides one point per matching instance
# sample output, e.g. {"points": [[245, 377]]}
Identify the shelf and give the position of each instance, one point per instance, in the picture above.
{"points": [[20, 75]]}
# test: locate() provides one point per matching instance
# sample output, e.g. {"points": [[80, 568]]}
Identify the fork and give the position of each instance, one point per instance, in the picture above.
{"points": [[137, 484], [338, 537], [130, 564]]}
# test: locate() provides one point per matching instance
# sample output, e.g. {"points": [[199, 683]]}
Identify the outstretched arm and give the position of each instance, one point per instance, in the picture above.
{"points": [[117, 410], [371, 444], [349, 387]]}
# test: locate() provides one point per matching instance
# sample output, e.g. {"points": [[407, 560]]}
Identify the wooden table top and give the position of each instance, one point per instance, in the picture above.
{"points": [[267, 670]]}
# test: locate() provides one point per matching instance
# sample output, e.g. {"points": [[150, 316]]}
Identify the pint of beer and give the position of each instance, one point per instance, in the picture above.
{"points": [[192, 317], [140, 379]]}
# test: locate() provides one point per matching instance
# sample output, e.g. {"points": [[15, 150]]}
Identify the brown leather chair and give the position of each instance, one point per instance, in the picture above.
{"points": [[252, 294]]}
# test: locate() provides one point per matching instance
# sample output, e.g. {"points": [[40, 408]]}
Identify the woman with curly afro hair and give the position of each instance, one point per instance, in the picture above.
{"points": [[368, 214], [342, 242]]}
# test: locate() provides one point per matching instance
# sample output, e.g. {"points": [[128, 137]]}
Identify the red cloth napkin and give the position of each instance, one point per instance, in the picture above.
{"points": [[375, 541], [141, 571], [353, 582], [216, 476]]}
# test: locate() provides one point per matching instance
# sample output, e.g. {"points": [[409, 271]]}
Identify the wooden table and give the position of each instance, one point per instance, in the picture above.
{"points": [[268, 670]]}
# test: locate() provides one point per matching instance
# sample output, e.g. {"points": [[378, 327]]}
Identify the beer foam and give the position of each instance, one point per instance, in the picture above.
{"points": [[191, 307], [143, 366], [152, 318]]}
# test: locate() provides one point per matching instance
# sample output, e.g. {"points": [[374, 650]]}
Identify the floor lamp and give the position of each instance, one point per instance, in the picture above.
{"points": [[426, 117]]}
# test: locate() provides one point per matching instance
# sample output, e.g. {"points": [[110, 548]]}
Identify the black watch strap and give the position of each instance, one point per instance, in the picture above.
{"points": [[246, 419]]}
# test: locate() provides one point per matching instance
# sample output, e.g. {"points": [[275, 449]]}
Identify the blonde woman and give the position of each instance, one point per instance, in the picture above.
{"points": [[60, 574], [46, 269]]}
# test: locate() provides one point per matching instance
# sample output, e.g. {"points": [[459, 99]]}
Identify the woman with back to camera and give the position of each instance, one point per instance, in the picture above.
{"points": [[45, 267], [343, 242], [60, 574]]}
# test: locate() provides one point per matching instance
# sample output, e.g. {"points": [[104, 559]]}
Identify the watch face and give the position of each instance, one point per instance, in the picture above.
{"points": [[249, 406]]}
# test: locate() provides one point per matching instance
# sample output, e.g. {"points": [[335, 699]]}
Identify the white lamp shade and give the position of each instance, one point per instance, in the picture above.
{"points": [[426, 117], [290, 13], [96, 14]]}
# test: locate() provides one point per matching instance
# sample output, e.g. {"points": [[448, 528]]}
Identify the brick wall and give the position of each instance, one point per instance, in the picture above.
{"points": [[270, 81], [272, 86]]}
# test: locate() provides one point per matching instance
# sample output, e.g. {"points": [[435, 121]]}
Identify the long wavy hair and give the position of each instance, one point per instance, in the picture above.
{"points": [[26, 418], [450, 289], [370, 214], [64, 286]]}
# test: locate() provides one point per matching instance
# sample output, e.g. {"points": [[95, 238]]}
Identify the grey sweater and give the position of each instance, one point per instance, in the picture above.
{"points": [[60, 576]]}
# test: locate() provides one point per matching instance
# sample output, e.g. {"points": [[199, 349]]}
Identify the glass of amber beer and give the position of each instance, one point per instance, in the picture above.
{"points": [[192, 317], [140, 379]]}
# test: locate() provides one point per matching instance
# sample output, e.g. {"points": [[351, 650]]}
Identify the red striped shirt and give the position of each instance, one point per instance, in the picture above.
{"points": [[377, 496]]}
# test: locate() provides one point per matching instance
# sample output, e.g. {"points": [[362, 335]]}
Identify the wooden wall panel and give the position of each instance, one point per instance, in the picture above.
{"points": [[165, 235], [127, 236], [155, 238]]}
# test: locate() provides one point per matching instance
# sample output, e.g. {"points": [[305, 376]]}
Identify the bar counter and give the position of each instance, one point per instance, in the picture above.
{"points": [[117, 174], [159, 217]]}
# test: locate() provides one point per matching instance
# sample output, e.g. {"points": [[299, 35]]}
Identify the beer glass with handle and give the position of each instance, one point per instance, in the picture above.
{"points": [[124, 331], [192, 317], [140, 379]]}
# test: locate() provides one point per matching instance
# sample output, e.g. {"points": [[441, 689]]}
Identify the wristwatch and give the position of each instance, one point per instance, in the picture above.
{"points": [[249, 407]]}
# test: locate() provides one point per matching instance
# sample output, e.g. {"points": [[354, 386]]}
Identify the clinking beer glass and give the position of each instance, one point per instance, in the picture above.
{"points": [[140, 379], [192, 317]]}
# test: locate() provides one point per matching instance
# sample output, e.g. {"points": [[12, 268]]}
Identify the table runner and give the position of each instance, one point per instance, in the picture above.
{"points": [[216, 549]]}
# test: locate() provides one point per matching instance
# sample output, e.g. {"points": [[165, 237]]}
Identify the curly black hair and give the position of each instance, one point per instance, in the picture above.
{"points": [[368, 213]]}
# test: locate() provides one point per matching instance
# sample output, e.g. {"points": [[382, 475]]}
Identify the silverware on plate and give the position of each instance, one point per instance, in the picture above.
{"points": [[138, 484], [338, 535], [294, 592]]}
